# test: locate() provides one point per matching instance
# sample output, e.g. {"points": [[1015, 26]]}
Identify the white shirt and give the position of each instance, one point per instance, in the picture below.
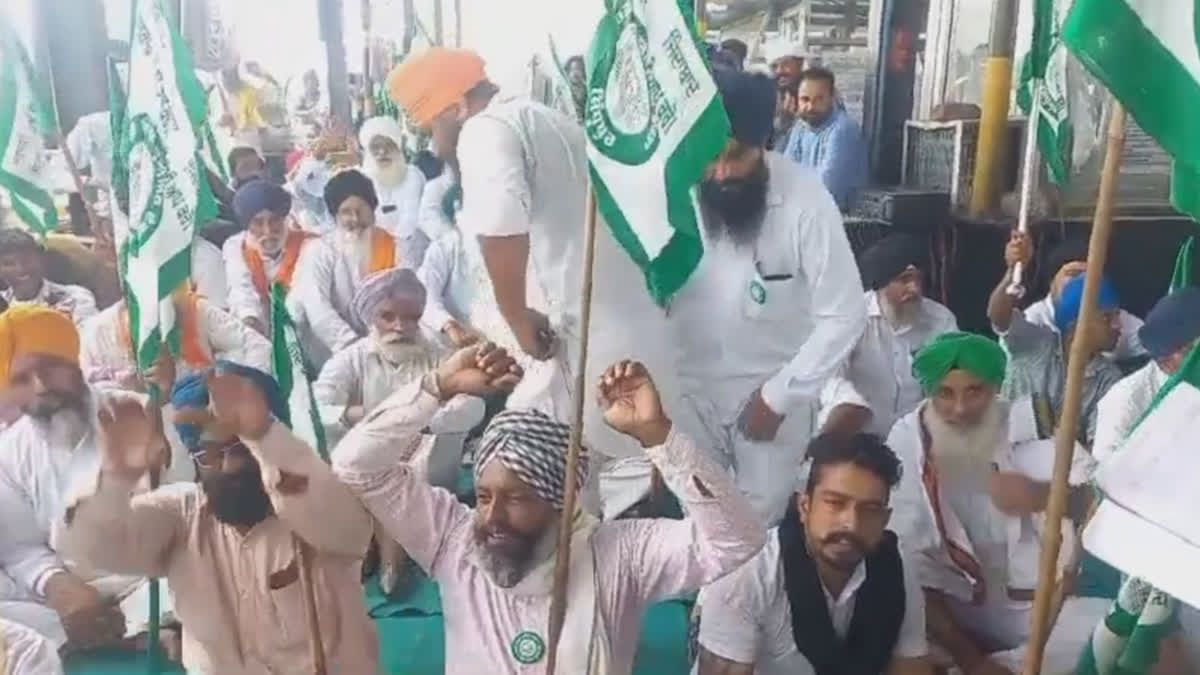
{"points": [[91, 146], [1128, 345], [208, 272], [105, 359], [877, 375], [782, 313], [431, 216], [324, 285], [26, 652], [524, 172], [746, 618], [76, 302], [1122, 406], [932, 319], [399, 214]]}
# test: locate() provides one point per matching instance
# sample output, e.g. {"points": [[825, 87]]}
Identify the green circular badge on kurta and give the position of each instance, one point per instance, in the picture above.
{"points": [[758, 292], [528, 647]]}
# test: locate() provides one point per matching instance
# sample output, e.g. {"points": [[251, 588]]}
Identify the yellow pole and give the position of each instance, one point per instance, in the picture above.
{"points": [[993, 124], [701, 18]]}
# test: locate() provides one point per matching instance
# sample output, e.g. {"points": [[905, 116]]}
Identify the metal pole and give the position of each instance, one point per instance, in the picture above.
{"points": [[439, 34], [458, 23], [993, 124], [1064, 439], [1029, 177]]}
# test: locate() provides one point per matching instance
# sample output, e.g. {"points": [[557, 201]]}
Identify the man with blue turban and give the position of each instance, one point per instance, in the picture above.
{"points": [[1038, 354], [230, 547]]}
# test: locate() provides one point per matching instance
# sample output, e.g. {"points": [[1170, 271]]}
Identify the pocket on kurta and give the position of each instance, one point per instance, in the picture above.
{"points": [[287, 604]]}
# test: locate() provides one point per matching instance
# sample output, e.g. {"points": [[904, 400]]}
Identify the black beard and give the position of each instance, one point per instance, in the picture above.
{"points": [[237, 498], [738, 203]]}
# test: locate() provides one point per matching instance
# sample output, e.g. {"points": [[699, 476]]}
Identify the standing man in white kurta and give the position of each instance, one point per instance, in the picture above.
{"points": [[773, 308], [523, 170]]}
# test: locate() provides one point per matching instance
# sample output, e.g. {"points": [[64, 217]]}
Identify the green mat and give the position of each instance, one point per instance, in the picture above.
{"points": [[412, 640]]}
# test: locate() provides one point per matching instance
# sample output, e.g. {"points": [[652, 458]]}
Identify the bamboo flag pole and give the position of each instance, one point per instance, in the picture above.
{"points": [[1064, 439], [1028, 177], [562, 559]]}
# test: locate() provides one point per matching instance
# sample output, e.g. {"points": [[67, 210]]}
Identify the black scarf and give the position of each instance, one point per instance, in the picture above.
{"points": [[878, 607]]}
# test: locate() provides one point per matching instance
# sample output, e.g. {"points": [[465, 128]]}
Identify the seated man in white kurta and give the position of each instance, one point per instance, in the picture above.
{"points": [[44, 451], [969, 509], [360, 377]]}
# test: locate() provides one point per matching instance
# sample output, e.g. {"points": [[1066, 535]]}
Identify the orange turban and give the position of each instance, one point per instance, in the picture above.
{"points": [[34, 329], [428, 83]]}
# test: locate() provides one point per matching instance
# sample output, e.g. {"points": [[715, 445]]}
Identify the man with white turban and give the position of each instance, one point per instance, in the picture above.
{"points": [[495, 563], [397, 185]]}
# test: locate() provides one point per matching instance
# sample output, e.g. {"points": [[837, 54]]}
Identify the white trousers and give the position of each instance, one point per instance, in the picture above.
{"points": [[768, 473]]}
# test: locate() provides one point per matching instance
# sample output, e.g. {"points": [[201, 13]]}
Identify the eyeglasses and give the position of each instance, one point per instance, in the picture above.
{"points": [[213, 458]]}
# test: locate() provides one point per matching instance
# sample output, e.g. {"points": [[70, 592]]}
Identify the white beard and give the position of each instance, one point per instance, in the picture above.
{"points": [[398, 353], [899, 316], [355, 245], [65, 428], [387, 176], [964, 457]]}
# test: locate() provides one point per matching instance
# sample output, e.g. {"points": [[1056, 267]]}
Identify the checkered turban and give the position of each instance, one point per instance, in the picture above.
{"points": [[533, 446]]}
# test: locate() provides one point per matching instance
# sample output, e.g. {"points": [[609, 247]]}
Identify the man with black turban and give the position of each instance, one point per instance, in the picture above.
{"points": [[974, 484], [495, 563], [875, 387], [268, 251], [330, 270], [773, 309], [230, 546]]}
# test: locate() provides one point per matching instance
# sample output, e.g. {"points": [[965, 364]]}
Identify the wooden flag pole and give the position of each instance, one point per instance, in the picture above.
{"points": [[1064, 439], [562, 559]]}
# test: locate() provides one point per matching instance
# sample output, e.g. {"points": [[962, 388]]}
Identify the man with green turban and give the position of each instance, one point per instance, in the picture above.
{"points": [[973, 483]]}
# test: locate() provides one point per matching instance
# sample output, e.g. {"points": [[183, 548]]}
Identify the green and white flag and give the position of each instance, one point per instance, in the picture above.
{"points": [[287, 364], [654, 121], [1044, 82], [1145, 52], [26, 120], [1126, 641], [1185, 265], [167, 193]]}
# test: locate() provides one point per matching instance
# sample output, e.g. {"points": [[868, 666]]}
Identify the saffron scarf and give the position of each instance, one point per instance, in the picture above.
{"points": [[383, 251], [287, 265], [192, 347]]}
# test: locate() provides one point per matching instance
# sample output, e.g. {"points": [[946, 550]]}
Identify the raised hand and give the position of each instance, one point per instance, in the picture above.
{"points": [[478, 370], [631, 403], [131, 437], [238, 405]]}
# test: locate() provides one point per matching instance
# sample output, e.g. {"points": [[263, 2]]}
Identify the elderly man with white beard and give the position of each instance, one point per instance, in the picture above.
{"points": [[397, 185], [969, 507]]}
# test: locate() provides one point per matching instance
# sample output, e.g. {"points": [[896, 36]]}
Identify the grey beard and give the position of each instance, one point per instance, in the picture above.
{"points": [[507, 572], [967, 455], [899, 316]]}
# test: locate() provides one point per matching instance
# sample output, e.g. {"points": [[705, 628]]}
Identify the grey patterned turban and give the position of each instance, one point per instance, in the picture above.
{"points": [[533, 446]]}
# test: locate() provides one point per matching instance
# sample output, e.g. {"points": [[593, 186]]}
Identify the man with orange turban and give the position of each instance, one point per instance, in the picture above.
{"points": [[43, 453], [523, 172]]}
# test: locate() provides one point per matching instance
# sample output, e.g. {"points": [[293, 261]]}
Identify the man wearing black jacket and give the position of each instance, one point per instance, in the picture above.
{"points": [[830, 593]]}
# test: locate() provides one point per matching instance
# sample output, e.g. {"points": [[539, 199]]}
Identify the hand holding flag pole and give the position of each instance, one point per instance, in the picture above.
{"points": [[1028, 177]]}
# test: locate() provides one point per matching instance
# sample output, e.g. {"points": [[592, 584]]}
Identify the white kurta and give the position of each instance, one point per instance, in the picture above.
{"points": [[324, 285], [399, 214], [781, 314], [877, 375], [74, 301], [932, 319], [39, 466], [1128, 345], [244, 299], [27, 652], [524, 172], [208, 272]]}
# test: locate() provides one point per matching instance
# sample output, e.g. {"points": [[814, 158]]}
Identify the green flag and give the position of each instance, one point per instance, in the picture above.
{"points": [[116, 123], [26, 120], [167, 195], [1185, 265], [287, 364], [654, 121], [1044, 81], [1145, 52]]}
